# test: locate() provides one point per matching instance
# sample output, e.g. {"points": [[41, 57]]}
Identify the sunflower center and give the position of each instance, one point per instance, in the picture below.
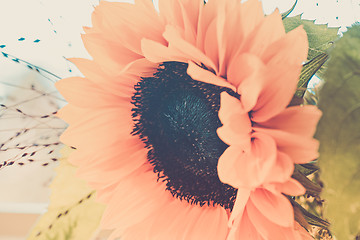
{"points": [[177, 118]]}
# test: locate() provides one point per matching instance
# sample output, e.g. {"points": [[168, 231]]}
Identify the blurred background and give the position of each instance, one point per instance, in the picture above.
{"points": [[36, 37]]}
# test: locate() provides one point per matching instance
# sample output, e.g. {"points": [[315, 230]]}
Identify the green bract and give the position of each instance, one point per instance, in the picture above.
{"points": [[339, 135]]}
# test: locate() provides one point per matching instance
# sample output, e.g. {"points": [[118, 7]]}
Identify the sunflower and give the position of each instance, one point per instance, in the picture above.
{"points": [[181, 121]]}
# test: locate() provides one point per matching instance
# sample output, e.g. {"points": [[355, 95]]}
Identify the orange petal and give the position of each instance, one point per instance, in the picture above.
{"points": [[247, 73], [275, 207], [70, 113], [236, 127], [245, 230], [207, 13], [144, 197], [242, 169], [266, 228], [291, 49], [177, 50], [83, 93], [103, 176], [291, 187], [190, 10], [280, 86], [170, 10], [263, 35], [210, 225], [98, 129], [284, 65], [110, 55], [282, 170], [242, 197], [112, 19], [251, 15], [202, 75], [177, 42], [116, 85], [300, 149], [211, 45], [157, 52], [180, 220], [229, 40], [301, 120]]}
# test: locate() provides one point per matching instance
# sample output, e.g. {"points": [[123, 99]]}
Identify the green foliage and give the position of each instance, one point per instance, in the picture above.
{"points": [[339, 135], [319, 35], [67, 233], [308, 71]]}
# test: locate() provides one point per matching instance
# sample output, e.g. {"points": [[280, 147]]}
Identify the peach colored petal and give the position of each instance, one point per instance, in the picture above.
{"points": [[102, 128], [215, 44], [70, 113], [211, 45], [119, 155], [179, 220], [207, 13], [82, 157], [175, 13], [264, 34], [189, 26], [177, 50], [246, 230], [198, 73], [282, 169], [170, 222], [119, 85], [187, 49], [291, 187], [291, 49], [132, 208], [83, 93], [236, 127], [274, 206], [242, 169], [103, 176], [228, 39], [191, 11], [300, 149], [242, 197], [157, 53], [251, 15], [171, 11], [210, 225], [111, 56], [104, 193], [112, 19], [277, 93], [299, 120], [266, 228], [281, 81], [247, 73], [138, 68]]}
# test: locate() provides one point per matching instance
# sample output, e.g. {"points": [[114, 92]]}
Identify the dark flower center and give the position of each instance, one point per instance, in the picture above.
{"points": [[177, 118]]}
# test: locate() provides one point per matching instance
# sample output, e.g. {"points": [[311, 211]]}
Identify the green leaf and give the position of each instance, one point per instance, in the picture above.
{"points": [[320, 36], [73, 214], [310, 218], [339, 135], [307, 168], [308, 71]]}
